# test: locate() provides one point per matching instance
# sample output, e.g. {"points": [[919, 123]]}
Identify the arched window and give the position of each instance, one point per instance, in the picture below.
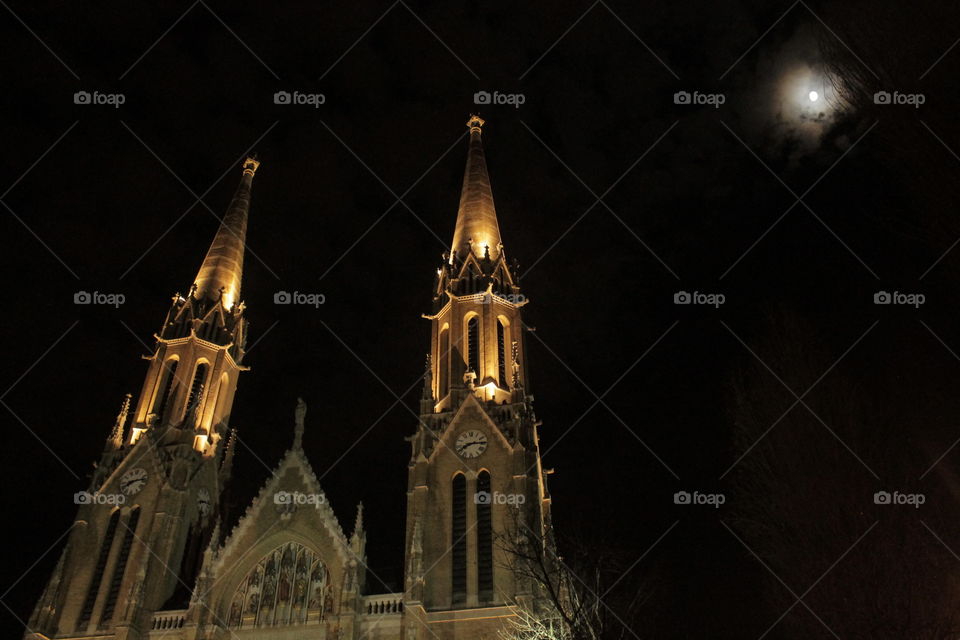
{"points": [[289, 585], [459, 538], [222, 407], [502, 353], [196, 391], [167, 375], [443, 369], [94, 588], [130, 529], [473, 345], [484, 539]]}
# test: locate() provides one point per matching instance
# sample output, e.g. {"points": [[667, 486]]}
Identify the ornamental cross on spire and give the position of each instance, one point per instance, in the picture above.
{"points": [[298, 415]]}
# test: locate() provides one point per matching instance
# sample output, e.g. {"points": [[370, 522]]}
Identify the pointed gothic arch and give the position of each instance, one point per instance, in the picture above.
{"points": [[289, 585], [129, 532], [222, 403], [443, 363], [198, 387], [95, 581], [503, 337], [168, 374], [458, 538], [484, 537], [471, 332]]}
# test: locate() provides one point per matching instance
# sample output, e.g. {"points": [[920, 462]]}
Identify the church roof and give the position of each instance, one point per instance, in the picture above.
{"points": [[477, 216], [264, 506], [222, 267]]}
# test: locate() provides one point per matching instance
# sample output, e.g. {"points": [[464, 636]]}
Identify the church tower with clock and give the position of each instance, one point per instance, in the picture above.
{"points": [[475, 480], [154, 497]]}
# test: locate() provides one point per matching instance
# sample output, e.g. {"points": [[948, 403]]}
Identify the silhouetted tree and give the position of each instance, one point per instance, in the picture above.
{"points": [[594, 592], [804, 500]]}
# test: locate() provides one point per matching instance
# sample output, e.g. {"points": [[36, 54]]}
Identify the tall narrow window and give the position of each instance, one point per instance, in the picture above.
{"points": [[502, 354], [459, 539], [484, 540], [196, 390], [222, 407], [167, 376], [473, 345], [443, 370], [105, 546], [129, 529]]}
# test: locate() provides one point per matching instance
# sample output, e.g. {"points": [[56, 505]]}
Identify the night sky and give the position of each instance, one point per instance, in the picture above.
{"points": [[611, 195]]}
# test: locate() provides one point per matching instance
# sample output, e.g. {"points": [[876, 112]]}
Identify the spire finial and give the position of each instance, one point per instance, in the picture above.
{"points": [[299, 414], [250, 165], [475, 123]]}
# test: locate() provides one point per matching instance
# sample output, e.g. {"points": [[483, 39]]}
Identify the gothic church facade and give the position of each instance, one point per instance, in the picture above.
{"points": [[288, 569]]}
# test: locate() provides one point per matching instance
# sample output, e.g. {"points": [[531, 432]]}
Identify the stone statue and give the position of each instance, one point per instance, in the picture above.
{"points": [[299, 414]]}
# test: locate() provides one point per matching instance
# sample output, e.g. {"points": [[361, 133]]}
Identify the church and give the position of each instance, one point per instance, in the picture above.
{"points": [[149, 525]]}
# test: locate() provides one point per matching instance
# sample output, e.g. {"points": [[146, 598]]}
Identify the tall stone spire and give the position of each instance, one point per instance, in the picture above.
{"points": [[477, 226], [222, 268]]}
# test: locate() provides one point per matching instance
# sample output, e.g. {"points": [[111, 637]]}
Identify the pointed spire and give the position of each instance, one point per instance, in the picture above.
{"points": [[226, 467], [428, 380], [116, 436], [222, 268], [358, 522], [358, 539], [213, 546], [299, 414], [477, 227]]}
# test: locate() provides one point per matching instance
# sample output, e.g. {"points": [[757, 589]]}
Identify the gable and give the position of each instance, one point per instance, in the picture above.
{"points": [[290, 507], [471, 415]]}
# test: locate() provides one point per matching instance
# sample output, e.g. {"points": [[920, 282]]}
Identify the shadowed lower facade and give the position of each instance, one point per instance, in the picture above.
{"points": [[148, 537]]}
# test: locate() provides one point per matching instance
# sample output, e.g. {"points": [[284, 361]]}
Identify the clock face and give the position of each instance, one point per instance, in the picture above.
{"points": [[203, 501], [471, 443], [132, 481]]}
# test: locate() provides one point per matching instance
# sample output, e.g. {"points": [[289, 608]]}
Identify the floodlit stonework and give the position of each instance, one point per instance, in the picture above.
{"points": [[148, 530]]}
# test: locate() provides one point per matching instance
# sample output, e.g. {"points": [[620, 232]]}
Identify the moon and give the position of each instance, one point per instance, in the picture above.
{"points": [[814, 96]]}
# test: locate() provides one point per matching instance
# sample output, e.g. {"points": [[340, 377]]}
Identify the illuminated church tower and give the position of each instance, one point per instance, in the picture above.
{"points": [[475, 479], [155, 496]]}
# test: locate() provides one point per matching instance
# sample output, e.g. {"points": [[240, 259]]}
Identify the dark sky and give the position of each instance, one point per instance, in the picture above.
{"points": [[104, 199]]}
